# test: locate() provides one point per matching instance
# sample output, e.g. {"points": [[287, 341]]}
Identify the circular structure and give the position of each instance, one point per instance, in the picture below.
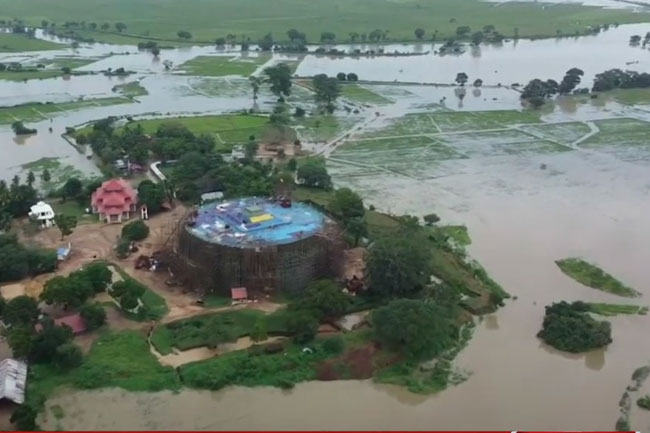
{"points": [[258, 244]]}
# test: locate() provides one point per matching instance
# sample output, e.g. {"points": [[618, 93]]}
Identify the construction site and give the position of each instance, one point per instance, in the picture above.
{"points": [[264, 245]]}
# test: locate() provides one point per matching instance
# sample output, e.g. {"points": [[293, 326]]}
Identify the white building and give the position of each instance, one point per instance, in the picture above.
{"points": [[13, 375], [43, 213]]}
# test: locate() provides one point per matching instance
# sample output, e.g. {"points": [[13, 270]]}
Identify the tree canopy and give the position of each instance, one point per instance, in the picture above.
{"points": [[326, 89], [279, 78], [324, 298], [135, 230], [419, 330], [347, 204], [21, 310], [312, 172], [568, 327], [152, 195], [398, 265]]}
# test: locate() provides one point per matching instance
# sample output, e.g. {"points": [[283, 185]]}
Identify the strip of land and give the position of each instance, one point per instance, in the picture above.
{"points": [[592, 276]]}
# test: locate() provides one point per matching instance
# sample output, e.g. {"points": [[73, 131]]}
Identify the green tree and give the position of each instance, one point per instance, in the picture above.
{"points": [[461, 78], [30, 178], [152, 195], [71, 291], [431, 219], [184, 34], [417, 329], [65, 223], [419, 33], [324, 298], [21, 310], [250, 150], [24, 418], [303, 325], [352, 77], [68, 355], [477, 38], [135, 231], [120, 27], [568, 327], [66, 70], [46, 342], [357, 228], [346, 204], [327, 37], [20, 340], [399, 265], [463, 31], [94, 315], [292, 165], [312, 172], [326, 89], [45, 175], [98, 275], [279, 77], [72, 188], [256, 82]]}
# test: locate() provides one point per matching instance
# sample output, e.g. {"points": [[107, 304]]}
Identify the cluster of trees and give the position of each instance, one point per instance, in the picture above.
{"points": [[279, 79], [347, 206], [312, 172], [75, 289], [569, 327], [536, 92], [18, 261], [135, 231], [350, 76], [19, 128], [128, 293], [16, 199], [326, 90], [618, 79], [150, 46], [184, 34]]}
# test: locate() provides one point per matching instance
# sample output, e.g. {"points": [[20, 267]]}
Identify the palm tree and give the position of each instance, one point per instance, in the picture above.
{"points": [[256, 82]]}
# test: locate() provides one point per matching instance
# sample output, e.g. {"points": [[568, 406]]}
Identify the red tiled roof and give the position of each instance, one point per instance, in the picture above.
{"points": [[73, 321], [114, 197], [238, 293]]}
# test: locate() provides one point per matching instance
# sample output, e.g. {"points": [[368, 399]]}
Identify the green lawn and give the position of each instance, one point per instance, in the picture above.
{"points": [[34, 112], [73, 208], [615, 309], [155, 306], [10, 42], [592, 276], [362, 95], [217, 66], [208, 20]]}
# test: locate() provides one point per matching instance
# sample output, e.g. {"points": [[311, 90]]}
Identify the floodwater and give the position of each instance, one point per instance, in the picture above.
{"points": [[520, 218]]}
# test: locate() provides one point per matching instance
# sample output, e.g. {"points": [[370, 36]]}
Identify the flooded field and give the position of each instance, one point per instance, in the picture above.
{"points": [[569, 180]]}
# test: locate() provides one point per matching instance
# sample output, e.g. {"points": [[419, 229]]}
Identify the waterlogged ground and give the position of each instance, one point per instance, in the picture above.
{"points": [[570, 180]]}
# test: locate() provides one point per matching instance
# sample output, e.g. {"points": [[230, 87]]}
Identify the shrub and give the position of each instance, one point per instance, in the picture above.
{"points": [[333, 345], [568, 328], [24, 418], [303, 325], [94, 315], [135, 231], [68, 355], [123, 248]]}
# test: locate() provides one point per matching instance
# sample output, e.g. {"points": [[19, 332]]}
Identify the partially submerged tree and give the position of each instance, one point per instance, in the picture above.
{"points": [[313, 172], [279, 77]]}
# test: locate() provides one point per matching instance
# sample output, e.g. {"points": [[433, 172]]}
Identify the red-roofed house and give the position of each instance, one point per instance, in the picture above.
{"points": [[239, 294], [74, 321], [114, 201]]}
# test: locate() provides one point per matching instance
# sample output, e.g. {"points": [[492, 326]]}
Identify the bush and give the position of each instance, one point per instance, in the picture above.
{"points": [[135, 231], [123, 248], [333, 345], [300, 112], [568, 328], [303, 325], [94, 315], [98, 275], [68, 355], [24, 418], [420, 331]]}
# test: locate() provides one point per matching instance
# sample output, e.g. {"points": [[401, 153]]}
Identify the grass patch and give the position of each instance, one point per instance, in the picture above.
{"points": [[218, 66], [362, 95], [155, 307], [117, 359], [15, 43], [604, 309], [40, 74], [227, 129], [73, 208], [132, 89], [459, 234], [253, 18], [594, 277], [629, 96], [36, 111], [188, 333]]}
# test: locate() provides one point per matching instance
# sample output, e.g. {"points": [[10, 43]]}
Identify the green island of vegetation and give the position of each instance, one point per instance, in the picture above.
{"points": [[592, 276], [644, 402], [603, 309], [131, 89], [217, 66], [119, 21], [568, 327], [35, 111]]}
